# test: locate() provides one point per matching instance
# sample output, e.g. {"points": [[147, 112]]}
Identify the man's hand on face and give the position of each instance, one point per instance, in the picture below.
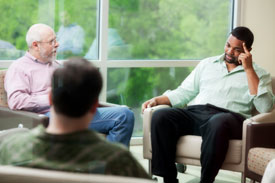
{"points": [[245, 58]]}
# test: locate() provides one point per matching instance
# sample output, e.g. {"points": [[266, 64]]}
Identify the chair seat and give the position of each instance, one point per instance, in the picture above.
{"points": [[190, 146], [258, 159]]}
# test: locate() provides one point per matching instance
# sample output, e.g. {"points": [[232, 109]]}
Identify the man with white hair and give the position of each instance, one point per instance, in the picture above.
{"points": [[28, 82]]}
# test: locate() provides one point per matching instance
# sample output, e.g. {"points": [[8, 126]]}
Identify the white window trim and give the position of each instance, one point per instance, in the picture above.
{"points": [[238, 13]]}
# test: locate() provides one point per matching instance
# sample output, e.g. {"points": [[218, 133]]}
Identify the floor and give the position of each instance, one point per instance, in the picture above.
{"points": [[192, 174]]}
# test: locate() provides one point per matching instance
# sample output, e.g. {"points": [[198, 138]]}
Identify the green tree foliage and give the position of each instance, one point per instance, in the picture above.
{"points": [[165, 29], [134, 86], [82, 13], [16, 17], [171, 29]]}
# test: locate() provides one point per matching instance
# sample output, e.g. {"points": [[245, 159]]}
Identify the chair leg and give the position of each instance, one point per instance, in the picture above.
{"points": [[150, 167], [243, 178], [150, 170]]}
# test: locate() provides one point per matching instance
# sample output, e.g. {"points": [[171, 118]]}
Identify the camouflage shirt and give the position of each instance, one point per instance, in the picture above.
{"points": [[83, 151]]}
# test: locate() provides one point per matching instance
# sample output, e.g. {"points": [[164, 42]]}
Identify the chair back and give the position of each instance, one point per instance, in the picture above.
{"points": [[12, 131], [9, 174], [273, 84], [3, 93]]}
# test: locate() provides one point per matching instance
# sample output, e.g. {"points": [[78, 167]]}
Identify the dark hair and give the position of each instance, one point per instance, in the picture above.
{"points": [[244, 34], [75, 87]]}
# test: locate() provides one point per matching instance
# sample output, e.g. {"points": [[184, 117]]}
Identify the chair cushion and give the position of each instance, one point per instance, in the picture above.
{"points": [[258, 159], [3, 94], [189, 146]]}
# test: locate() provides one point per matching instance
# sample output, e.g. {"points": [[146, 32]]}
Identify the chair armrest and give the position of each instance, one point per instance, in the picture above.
{"points": [[147, 116], [260, 135], [6, 133], [259, 119], [15, 117], [107, 104], [264, 117]]}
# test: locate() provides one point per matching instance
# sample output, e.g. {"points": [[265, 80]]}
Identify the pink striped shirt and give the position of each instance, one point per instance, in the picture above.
{"points": [[28, 83]]}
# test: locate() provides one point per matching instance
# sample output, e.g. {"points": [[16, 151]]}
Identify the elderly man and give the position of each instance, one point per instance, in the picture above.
{"points": [[225, 89], [67, 144], [27, 83]]}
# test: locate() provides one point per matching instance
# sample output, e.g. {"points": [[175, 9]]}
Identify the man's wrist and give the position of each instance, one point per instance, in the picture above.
{"points": [[249, 70], [156, 100]]}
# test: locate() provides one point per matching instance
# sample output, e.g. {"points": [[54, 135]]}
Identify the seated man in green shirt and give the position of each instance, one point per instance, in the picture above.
{"points": [[67, 144], [224, 90]]}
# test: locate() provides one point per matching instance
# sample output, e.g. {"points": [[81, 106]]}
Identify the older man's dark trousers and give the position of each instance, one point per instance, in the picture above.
{"points": [[216, 126]]}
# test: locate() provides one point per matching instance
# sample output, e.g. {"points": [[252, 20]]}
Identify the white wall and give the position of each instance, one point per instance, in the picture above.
{"points": [[259, 16]]}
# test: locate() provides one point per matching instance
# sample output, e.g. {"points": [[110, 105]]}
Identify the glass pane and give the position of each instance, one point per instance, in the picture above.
{"points": [[76, 28], [168, 29], [16, 17], [133, 86], [75, 24]]}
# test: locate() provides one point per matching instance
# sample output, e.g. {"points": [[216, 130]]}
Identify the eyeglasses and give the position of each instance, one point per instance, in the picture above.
{"points": [[52, 42]]}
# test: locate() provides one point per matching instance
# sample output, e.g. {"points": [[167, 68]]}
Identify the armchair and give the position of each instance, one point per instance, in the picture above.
{"points": [[188, 147], [12, 118], [260, 149]]}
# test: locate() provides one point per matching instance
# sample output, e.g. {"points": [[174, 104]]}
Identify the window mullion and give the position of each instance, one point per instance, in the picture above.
{"points": [[237, 13], [103, 44]]}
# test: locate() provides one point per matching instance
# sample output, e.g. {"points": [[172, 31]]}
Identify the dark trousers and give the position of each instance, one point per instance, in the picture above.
{"points": [[216, 126]]}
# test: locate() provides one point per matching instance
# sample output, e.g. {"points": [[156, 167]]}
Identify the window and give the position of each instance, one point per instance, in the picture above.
{"points": [[133, 86], [167, 29], [75, 25], [142, 47], [148, 38]]}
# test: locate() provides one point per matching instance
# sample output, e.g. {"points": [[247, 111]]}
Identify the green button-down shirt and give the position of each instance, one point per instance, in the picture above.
{"points": [[210, 82]]}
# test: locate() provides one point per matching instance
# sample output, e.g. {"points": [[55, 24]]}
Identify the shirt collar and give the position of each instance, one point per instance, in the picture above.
{"points": [[30, 56], [220, 59]]}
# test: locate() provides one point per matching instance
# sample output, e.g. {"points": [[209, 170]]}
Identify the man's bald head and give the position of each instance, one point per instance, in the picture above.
{"points": [[36, 33]]}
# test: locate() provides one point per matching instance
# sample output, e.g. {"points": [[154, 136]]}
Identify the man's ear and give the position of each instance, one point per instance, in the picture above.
{"points": [[94, 106], [35, 44]]}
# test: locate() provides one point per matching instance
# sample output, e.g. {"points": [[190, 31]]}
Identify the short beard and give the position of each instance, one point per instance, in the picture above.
{"points": [[234, 60], [47, 58]]}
